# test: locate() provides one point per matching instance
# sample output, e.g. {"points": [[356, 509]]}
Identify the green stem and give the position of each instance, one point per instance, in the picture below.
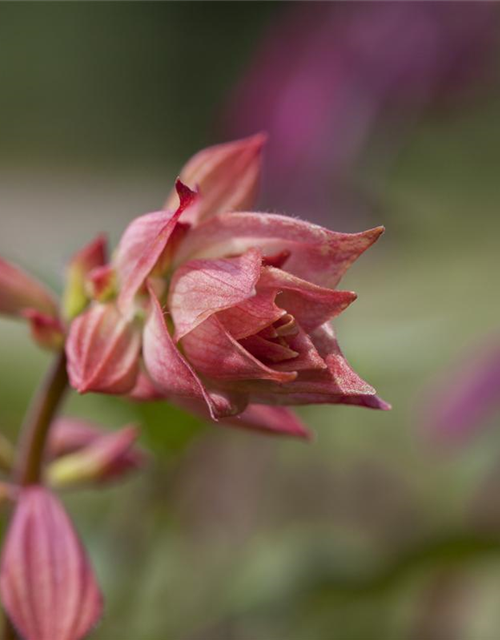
{"points": [[34, 434], [36, 427]]}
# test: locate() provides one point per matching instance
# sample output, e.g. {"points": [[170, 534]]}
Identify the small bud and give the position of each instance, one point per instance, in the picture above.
{"points": [[46, 331], [103, 351], [107, 458], [75, 297], [101, 283], [47, 585]]}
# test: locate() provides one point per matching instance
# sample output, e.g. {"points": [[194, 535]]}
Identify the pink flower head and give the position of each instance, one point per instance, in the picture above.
{"points": [[47, 585], [221, 308]]}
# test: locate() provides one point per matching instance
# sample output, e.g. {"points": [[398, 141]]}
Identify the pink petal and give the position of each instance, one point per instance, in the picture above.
{"points": [[316, 254], [46, 582], [227, 176], [69, 434], [215, 353], [144, 389], [169, 370], [46, 331], [145, 260], [252, 315], [19, 291], [138, 236], [103, 351], [337, 384], [272, 420], [309, 303], [200, 288]]}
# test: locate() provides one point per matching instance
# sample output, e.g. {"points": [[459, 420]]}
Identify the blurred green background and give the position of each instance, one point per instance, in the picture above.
{"points": [[373, 529]]}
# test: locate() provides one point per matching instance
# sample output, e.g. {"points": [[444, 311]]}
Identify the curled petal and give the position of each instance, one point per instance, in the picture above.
{"points": [[75, 297], [337, 384], [227, 176], [46, 582], [215, 353], [170, 371], [202, 287], [310, 304], [103, 351], [19, 291], [138, 236], [145, 260], [316, 254]]}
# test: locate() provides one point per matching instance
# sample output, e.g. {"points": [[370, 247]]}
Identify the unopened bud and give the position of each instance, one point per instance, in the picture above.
{"points": [[107, 458], [46, 331], [75, 297]]}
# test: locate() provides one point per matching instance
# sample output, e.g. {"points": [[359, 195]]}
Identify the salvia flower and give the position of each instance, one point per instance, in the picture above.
{"points": [[47, 585], [213, 306]]}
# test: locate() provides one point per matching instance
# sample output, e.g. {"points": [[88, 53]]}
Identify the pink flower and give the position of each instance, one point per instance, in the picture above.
{"points": [[222, 308], [47, 585]]}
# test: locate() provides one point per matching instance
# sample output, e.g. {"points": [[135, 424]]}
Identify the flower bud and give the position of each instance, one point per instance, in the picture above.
{"points": [[46, 331], [108, 457], [47, 585], [75, 297]]}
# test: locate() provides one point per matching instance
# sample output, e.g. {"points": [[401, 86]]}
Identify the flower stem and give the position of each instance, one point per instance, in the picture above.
{"points": [[36, 427], [34, 434]]}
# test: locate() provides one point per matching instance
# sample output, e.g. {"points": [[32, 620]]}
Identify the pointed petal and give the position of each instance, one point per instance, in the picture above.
{"points": [[200, 288], [46, 582], [309, 303], [215, 353], [146, 259], [271, 420], [170, 371], [75, 297], [19, 291], [227, 176], [103, 351], [316, 254]]}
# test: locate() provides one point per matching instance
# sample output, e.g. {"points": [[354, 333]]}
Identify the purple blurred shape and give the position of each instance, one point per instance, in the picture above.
{"points": [[328, 74], [469, 398]]}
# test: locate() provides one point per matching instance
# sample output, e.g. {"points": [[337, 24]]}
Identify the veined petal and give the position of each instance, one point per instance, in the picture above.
{"points": [[46, 582], [19, 291], [170, 371], [213, 352], [227, 176], [145, 260], [309, 303], [316, 254], [103, 351], [252, 315], [200, 288]]}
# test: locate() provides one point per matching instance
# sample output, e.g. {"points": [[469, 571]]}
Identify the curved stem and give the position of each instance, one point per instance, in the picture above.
{"points": [[36, 427], [34, 433]]}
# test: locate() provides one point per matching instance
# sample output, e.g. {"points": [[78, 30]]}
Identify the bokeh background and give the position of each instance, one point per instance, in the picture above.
{"points": [[378, 114]]}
